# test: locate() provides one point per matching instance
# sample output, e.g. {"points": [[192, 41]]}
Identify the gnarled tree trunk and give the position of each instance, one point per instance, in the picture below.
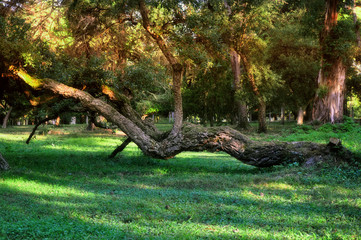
{"points": [[328, 106], [195, 137]]}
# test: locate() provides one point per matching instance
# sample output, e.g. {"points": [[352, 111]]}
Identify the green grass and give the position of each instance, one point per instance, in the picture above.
{"points": [[65, 187]]}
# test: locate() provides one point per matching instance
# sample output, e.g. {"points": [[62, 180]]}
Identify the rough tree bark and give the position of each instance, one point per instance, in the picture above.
{"points": [[329, 101], [195, 137]]}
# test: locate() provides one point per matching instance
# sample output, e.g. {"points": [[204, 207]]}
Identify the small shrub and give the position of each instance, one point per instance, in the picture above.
{"points": [[303, 128], [347, 126]]}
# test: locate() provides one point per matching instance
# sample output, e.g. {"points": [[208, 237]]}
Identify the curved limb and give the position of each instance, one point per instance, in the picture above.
{"points": [[36, 127]]}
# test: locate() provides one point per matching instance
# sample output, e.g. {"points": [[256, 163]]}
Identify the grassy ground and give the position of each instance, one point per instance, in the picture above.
{"points": [[65, 187]]}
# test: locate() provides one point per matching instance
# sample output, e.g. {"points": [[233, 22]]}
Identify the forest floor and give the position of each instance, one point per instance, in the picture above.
{"points": [[63, 186]]}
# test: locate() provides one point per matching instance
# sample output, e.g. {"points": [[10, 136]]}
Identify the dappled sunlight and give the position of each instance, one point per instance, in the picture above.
{"points": [[42, 189], [63, 183], [140, 209], [12, 137]]}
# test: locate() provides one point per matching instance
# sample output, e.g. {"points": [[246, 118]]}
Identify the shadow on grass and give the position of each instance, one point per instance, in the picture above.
{"points": [[137, 210], [61, 190]]}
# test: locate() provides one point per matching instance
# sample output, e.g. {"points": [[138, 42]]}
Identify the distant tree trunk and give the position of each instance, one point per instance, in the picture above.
{"points": [[91, 123], [6, 118], [239, 105], [283, 115], [329, 101], [308, 117], [57, 121], [3, 163], [262, 126], [300, 116]]}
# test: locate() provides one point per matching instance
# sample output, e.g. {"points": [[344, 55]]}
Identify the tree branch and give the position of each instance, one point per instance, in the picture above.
{"points": [[120, 147], [36, 127]]}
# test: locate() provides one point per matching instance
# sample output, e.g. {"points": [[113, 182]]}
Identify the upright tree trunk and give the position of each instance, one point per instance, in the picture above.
{"points": [[262, 126], [177, 95], [6, 118], [300, 116], [57, 121], [239, 105], [91, 122], [177, 69], [329, 101], [283, 115]]}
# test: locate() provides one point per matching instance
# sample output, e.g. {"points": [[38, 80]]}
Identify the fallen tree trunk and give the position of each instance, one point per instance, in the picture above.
{"points": [[3, 163], [261, 154], [197, 138]]}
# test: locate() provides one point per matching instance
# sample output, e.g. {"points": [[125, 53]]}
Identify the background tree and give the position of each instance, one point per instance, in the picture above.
{"points": [[336, 40], [295, 57]]}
